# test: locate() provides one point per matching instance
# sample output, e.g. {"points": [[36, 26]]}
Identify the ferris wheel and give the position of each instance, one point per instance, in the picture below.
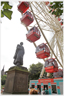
{"points": [[41, 20]]}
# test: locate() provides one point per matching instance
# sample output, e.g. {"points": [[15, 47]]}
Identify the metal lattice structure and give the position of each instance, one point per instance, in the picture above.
{"points": [[45, 21]]}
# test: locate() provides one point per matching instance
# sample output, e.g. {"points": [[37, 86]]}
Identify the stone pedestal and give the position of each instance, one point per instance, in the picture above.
{"points": [[16, 82]]}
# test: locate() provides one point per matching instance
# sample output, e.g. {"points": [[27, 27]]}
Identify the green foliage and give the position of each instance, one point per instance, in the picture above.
{"points": [[2, 86], [45, 75], [35, 70], [51, 75], [3, 79], [57, 6], [7, 13], [18, 68], [6, 10], [2, 15]]}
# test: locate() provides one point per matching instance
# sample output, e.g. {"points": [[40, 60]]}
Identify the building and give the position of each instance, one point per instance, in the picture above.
{"points": [[2, 72], [54, 85]]}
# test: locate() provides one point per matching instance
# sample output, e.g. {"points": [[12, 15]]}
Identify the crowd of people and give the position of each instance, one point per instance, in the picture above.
{"points": [[34, 91]]}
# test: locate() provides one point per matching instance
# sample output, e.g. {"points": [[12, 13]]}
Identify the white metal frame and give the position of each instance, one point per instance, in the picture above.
{"points": [[46, 21]]}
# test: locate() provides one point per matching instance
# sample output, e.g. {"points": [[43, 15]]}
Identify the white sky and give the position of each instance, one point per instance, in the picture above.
{"points": [[12, 33]]}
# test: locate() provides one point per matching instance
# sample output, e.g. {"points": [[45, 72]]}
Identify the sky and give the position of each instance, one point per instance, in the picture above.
{"points": [[12, 33]]}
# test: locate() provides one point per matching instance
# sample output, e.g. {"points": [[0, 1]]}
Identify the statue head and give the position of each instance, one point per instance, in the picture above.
{"points": [[21, 43]]}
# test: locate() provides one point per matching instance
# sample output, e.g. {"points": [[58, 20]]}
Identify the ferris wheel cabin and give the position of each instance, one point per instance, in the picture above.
{"points": [[51, 65], [27, 18], [42, 51], [59, 73], [33, 34], [23, 7]]}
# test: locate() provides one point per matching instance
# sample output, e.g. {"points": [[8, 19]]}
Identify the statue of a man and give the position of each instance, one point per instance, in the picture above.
{"points": [[18, 57]]}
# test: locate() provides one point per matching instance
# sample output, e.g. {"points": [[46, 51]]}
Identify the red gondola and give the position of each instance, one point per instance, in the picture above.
{"points": [[27, 18], [23, 7], [51, 65], [33, 34], [42, 51], [58, 74], [46, 2]]}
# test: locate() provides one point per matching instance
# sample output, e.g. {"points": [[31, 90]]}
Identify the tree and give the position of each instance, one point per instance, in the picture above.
{"points": [[35, 70], [3, 79], [5, 11], [56, 8]]}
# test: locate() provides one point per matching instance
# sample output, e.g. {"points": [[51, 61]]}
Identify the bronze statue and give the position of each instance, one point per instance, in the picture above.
{"points": [[18, 57]]}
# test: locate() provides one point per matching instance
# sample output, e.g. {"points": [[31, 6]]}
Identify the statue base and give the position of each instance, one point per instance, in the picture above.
{"points": [[16, 82]]}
